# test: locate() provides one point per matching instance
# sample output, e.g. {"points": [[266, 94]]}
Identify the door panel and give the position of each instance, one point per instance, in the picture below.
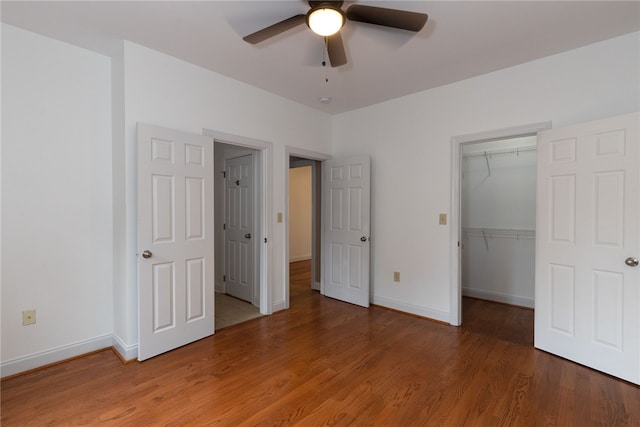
{"points": [[346, 229], [239, 235], [587, 298], [175, 224]]}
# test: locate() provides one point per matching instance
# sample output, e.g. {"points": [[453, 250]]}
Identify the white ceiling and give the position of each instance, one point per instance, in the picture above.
{"points": [[460, 40]]}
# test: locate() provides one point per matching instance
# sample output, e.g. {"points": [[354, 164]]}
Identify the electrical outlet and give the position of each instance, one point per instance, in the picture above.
{"points": [[443, 219], [28, 317], [396, 276]]}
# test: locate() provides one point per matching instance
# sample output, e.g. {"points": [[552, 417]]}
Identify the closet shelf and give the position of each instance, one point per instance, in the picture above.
{"points": [[516, 151], [499, 233]]}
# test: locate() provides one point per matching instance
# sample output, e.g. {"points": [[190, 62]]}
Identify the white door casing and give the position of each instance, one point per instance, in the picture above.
{"points": [[175, 224], [346, 188], [587, 298], [239, 224]]}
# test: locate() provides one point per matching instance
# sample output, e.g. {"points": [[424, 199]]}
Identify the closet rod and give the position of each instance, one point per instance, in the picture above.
{"points": [[497, 152]]}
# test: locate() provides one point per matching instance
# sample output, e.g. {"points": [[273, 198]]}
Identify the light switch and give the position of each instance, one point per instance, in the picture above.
{"points": [[396, 276], [443, 219], [279, 217]]}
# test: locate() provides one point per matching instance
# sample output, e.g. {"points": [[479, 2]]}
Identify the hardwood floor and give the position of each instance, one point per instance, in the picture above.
{"points": [[324, 362]]}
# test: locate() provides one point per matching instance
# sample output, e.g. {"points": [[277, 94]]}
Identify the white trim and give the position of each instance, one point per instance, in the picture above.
{"points": [[499, 297], [455, 285], [279, 306], [58, 354], [411, 308], [267, 306], [126, 352]]}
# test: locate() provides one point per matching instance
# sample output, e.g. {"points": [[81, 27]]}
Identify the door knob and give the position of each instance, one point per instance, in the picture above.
{"points": [[247, 236], [631, 261], [146, 254], [363, 239]]}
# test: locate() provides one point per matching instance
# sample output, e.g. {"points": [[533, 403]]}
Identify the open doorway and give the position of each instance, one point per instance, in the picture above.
{"points": [[304, 225], [498, 219], [457, 236], [237, 221]]}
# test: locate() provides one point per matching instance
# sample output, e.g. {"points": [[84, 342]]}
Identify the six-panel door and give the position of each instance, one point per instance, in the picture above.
{"points": [[175, 228]]}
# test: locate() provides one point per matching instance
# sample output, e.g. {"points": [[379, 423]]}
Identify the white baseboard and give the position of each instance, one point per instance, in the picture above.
{"points": [[498, 297], [126, 352], [279, 306], [36, 360], [299, 258], [442, 316]]}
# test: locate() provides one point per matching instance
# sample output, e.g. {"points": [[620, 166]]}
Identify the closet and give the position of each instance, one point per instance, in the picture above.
{"points": [[498, 217]]}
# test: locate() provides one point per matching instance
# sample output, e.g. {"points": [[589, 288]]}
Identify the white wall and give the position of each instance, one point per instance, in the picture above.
{"points": [[300, 205], [168, 92], [56, 200], [409, 140]]}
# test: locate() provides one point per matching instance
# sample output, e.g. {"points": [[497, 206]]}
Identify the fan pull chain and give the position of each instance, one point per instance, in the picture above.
{"points": [[324, 59]]}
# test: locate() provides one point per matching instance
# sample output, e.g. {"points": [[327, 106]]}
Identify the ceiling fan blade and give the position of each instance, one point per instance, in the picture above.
{"points": [[335, 49], [275, 29], [402, 19]]}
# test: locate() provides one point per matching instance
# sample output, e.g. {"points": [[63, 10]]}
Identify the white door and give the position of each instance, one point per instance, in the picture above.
{"points": [[587, 304], [175, 239], [346, 187], [239, 237]]}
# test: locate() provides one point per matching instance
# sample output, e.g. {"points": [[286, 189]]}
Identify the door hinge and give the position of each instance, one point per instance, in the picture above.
{"points": [[224, 226], [224, 174], [224, 278]]}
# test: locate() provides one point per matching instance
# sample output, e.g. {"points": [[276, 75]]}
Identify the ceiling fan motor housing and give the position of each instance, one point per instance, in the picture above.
{"points": [[325, 28]]}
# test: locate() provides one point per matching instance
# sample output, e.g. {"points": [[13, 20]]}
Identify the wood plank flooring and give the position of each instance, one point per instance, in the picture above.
{"points": [[324, 362]]}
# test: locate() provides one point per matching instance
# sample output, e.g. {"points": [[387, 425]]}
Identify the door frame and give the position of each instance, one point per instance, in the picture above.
{"points": [[262, 217], [455, 285], [308, 155]]}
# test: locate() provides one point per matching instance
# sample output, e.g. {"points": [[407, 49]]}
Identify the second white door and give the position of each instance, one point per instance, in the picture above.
{"points": [[239, 227], [346, 187]]}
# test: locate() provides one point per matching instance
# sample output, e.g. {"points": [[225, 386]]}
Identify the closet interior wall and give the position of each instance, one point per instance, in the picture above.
{"points": [[498, 198]]}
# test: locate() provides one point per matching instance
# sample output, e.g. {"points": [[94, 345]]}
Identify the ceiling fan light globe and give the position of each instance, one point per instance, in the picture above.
{"points": [[325, 21]]}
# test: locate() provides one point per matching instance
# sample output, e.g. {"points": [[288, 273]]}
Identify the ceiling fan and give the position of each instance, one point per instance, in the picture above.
{"points": [[326, 18]]}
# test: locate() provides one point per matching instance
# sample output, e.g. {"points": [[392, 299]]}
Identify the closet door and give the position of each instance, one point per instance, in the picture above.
{"points": [[587, 278]]}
